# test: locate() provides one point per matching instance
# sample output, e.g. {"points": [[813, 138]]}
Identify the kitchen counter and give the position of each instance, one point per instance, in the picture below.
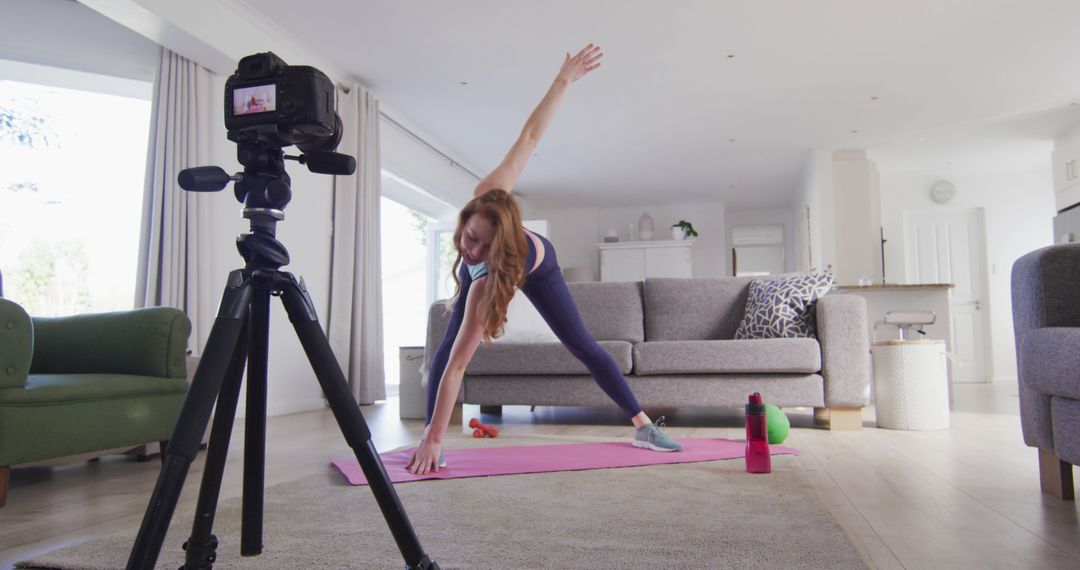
{"points": [[919, 297], [893, 286]]}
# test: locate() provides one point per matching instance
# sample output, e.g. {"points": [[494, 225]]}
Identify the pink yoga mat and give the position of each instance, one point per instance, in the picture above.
{"points": [[515, 460]]}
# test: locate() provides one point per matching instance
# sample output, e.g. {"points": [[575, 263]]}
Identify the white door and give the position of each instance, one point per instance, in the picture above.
{"points": [[948, 247]]}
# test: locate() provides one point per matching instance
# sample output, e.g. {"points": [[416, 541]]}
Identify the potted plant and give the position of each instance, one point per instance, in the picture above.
{"points": [[683, 230]]}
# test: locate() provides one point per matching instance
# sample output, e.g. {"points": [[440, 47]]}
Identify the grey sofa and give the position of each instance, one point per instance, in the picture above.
{"points": [[1046, 320], [673, 338]]}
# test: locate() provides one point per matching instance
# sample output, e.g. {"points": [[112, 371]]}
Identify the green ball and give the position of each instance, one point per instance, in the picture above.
{"points": [[777, 424]]}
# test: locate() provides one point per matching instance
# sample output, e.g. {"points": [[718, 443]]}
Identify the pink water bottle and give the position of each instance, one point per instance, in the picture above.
{"points": [[757, 437]]}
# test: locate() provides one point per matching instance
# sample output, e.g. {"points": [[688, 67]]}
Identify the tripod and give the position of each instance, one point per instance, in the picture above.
{"points": [[240, 334]]}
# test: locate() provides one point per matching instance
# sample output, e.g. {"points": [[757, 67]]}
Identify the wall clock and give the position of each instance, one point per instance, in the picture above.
{"points": [[942, 191]]}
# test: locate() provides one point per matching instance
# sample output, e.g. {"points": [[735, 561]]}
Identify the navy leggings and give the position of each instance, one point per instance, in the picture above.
{"points": [[547, 290]]}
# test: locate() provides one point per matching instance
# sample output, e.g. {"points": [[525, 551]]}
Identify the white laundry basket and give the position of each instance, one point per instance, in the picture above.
{"points": [[910, 384]]}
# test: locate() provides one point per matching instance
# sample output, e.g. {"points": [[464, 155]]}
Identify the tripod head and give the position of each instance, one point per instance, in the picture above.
{"points": [[273, 105], [264, 188]]}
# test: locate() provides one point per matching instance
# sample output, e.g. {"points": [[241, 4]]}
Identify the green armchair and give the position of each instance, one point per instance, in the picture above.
{"points": [[95, 382]]}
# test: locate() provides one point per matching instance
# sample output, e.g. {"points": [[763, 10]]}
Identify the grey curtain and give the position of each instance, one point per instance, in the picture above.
{"points": [[355, 313], [175, 238]]}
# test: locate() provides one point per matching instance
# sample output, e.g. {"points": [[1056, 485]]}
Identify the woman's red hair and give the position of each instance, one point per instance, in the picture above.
{"points": [[505, 260]]}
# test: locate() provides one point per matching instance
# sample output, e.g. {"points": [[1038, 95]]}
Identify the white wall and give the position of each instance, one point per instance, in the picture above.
{"points": [[815, 236], [305, 231], [1019, 207], [857, 218], [576, 231]]}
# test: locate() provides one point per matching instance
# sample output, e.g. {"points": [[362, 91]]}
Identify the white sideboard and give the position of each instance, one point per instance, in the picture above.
{"points": [[636, 260]]}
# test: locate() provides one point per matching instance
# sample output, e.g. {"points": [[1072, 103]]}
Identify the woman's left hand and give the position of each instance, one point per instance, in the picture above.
{"points": [[576, 67], [425, 459]]}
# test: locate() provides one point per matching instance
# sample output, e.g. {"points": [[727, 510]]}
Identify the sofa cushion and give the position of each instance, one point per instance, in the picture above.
{"points": [[778, 355], [50, 389], [694, 309], [610, 311], [783, 307], [1050, 361], [541, 358]]}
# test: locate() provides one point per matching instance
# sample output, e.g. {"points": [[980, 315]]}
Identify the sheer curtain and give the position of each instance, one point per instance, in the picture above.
{"points": [[355, 313], [175, 240]]}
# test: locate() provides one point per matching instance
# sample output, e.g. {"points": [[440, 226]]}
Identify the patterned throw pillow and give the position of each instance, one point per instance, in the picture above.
{"points": [[784, 307]]}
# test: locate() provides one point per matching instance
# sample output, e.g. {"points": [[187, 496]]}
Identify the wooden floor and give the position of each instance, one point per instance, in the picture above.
{"points": [[967, 497]]}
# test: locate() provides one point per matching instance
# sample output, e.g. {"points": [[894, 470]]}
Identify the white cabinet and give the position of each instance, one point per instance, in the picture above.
{"points": [[1064, 168], [636, 260], [1065, 161]]}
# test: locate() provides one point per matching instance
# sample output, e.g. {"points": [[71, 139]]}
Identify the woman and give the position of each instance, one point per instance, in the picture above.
{"points": [[499, 256]]}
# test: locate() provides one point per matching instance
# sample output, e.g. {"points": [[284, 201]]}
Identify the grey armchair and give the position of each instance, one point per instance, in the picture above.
{"points": [[1046, 320]]}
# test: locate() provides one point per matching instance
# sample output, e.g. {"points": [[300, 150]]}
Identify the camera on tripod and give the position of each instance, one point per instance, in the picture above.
{"points": [[269, 100], [269, 105]]}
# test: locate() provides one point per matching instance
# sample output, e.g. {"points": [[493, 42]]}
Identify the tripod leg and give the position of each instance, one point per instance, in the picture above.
{"points": [[191, 424], [201, 547], [349, 418], [255, 431]]}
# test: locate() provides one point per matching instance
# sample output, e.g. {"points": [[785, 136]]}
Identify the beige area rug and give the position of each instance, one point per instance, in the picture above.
{"points": [[699, 515]]}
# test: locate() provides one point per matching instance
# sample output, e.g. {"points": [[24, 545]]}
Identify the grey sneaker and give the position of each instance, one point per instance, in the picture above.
{"points": [[649, 436]]}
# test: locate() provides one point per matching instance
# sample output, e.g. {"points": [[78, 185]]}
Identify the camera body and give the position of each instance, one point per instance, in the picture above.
{"points": [[272, 102]]}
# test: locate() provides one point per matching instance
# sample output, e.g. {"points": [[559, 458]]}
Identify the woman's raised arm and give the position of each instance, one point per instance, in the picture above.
{"points": [[505, 175]]}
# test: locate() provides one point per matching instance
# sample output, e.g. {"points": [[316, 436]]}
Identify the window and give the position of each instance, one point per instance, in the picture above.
{"points": [[758, 251], [72, 163], [403, 259], [441, 254]]}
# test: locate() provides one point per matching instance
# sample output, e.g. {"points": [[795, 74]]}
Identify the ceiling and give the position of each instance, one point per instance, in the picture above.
{"points": [[707, 100]]}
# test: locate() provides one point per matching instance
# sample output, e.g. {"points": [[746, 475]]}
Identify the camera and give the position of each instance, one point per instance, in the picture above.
{"points": [[272, 102], [269, 105]]}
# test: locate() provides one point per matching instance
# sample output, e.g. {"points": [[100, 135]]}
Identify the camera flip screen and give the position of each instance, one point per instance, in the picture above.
{"points": [[254, 99]]}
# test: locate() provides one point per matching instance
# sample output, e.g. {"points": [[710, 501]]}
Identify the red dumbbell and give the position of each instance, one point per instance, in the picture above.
{"points": [[482, 430]]}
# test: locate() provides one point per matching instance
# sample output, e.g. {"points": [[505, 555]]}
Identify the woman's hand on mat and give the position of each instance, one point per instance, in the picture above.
{"points": [[576, 67], [425, 459]]}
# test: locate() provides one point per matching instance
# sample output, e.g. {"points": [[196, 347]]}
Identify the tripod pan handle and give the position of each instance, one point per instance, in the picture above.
{"points": [[203, 179]]}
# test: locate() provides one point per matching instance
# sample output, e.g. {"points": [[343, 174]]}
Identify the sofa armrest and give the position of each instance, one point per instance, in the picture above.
{"points": [[16, 344], [1050, 362], [146, 342], [845, 350]]}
